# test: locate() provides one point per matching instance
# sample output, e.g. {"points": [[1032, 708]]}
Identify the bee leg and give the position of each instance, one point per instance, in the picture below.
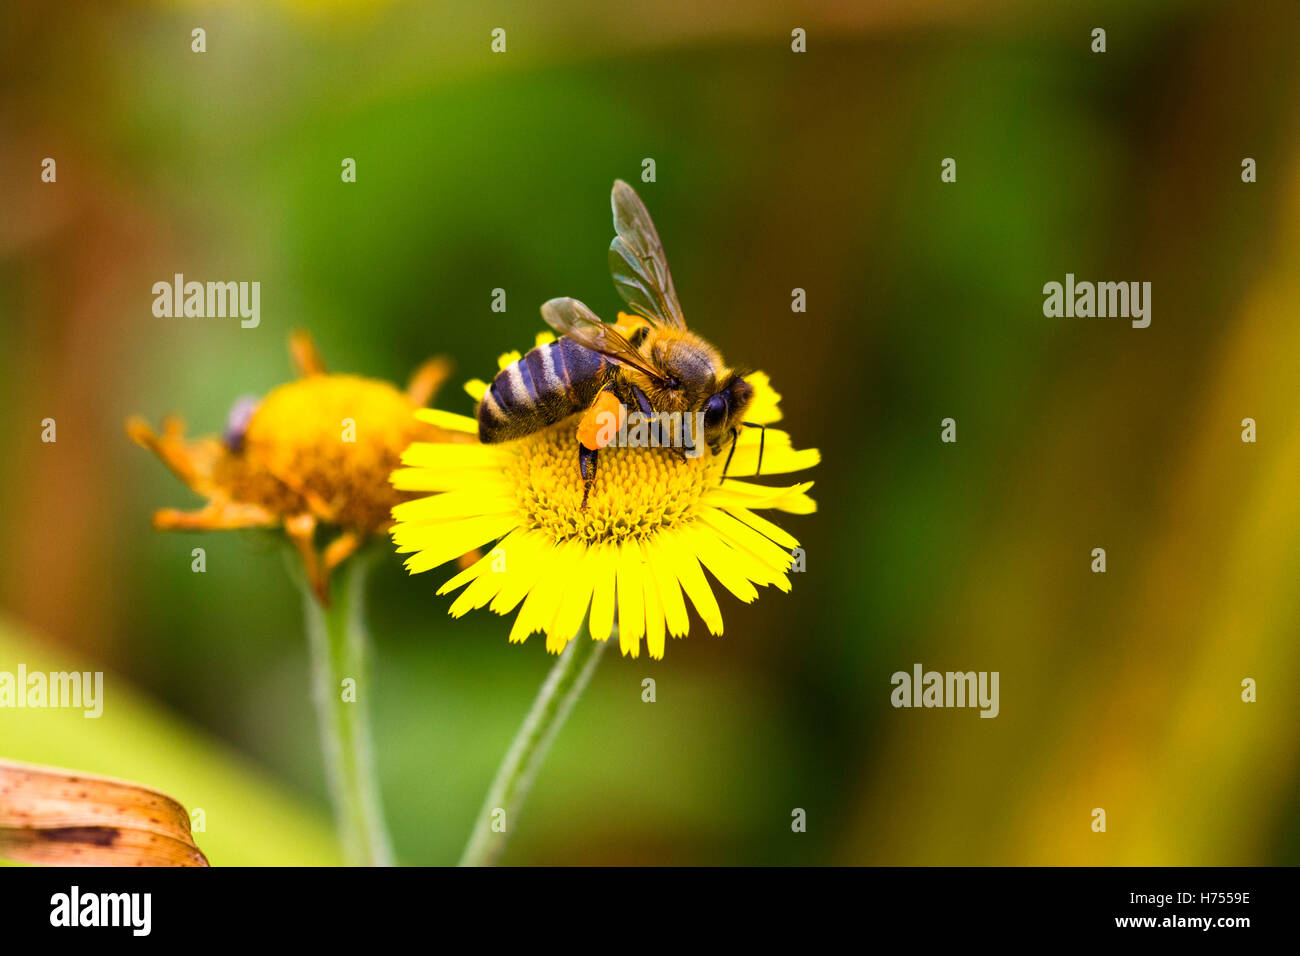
{"points": [[734, 433], [587, 467], [643, 405], [762, 440], [681, 450], [642, 402]]}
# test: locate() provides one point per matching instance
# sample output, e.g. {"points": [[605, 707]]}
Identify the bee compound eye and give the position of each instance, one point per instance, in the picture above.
{"points": [[715, 412]]}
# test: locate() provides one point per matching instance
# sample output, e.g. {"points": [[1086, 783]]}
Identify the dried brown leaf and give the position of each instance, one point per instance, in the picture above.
{"points": [[65, 818]]}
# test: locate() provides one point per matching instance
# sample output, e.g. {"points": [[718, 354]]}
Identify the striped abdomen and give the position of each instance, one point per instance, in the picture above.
{"points": [[547, 385]]}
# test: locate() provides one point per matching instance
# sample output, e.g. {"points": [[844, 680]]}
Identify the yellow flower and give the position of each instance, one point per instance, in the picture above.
{"points": [[317, 450], [653, 524]]}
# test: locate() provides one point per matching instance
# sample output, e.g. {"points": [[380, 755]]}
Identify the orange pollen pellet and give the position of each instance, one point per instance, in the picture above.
{"points": [[602, 420]]}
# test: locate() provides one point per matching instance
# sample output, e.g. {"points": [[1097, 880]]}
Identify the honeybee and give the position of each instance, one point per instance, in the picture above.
{"points": [[652, 365]]}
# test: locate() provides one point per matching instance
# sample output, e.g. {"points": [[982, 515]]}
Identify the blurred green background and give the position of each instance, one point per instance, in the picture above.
{"points": [[775, 170]]}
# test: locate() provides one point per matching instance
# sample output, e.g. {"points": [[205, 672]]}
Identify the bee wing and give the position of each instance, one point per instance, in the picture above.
{"points": [[572, 319], [637, 261]]}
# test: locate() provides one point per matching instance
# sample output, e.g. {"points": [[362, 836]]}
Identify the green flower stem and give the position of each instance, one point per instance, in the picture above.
{"points": [[560, 691], [339, 650]]}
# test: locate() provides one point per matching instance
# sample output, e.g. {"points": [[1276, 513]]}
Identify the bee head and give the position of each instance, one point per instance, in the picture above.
{"points": [[689, 368], [725, 410]]}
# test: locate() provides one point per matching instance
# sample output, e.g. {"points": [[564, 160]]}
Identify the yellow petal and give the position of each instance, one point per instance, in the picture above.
{"points": [[577, 594], [449, 420], [523, 560], [756, 495], [778, 456], [604, 571], [433, 479], [544, 598], [474, 570], [437, 544], [795, 502], [763, 526], [743, 536], [452, 456], [734, 493], [687, 569], [765, 407], [717, 557], [524, 621], [670, 592], [654, 615], [455, 504], [631, 599], [480, 591]]}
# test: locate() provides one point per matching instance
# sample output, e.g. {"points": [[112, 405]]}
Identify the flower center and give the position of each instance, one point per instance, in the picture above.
{"points": [[637, 491], [334, 437]]}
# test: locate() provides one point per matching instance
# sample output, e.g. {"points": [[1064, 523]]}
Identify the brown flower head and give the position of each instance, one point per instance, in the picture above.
{"points": [[314, 452]]}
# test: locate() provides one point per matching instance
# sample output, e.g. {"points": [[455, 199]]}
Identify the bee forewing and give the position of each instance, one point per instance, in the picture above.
{"points": [[574, 320], [637, 262]]}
